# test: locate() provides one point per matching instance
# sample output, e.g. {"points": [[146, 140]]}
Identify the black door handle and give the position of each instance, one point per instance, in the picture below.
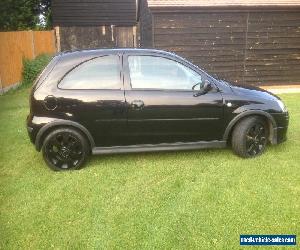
{"points": [[137, 104]]}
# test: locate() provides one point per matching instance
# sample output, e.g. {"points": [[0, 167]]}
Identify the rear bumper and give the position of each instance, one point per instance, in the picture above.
{"points": [[31, 128], [34, 124], [30, 134]]}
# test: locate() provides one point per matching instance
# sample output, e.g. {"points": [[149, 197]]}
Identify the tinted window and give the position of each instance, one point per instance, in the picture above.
{"points": [[99, 73], [44, 74], [150, 72]]}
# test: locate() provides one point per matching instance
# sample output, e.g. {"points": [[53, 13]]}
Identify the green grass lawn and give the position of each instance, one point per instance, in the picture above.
{"points": [[201, 199]]}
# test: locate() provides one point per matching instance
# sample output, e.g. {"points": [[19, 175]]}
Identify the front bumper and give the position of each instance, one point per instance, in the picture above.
{"points": [[280, 132], [281, 135]]}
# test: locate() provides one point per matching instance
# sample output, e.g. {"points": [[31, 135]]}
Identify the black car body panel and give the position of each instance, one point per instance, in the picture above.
{"points": [[127, 120]]}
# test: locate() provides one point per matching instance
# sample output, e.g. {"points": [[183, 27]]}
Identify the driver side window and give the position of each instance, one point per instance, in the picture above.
{"points": [[152, 72]]}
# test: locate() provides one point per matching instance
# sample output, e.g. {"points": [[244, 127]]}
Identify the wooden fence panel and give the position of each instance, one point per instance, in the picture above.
{"points": [[15, 46], [44, 42]]}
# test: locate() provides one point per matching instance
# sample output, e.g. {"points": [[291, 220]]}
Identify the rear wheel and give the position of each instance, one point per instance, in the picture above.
{"points": [[65, 149], [249, 137]]}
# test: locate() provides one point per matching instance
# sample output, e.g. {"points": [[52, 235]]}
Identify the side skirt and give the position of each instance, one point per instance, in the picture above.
{"points": [[159, 147]]}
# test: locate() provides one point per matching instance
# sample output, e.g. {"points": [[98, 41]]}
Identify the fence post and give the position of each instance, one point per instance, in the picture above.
{"points": [[1, 87], [57, 35], [134, 37]]}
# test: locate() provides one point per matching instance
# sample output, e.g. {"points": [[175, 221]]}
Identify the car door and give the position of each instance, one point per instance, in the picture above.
{"points": [[163, 107], [92, 94]]}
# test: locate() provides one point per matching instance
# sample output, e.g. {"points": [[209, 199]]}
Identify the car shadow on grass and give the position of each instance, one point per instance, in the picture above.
{"points": [[165, 156]]}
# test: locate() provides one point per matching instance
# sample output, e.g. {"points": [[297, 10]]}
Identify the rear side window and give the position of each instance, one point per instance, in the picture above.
{"points": [[45, 72], [98, 73]]}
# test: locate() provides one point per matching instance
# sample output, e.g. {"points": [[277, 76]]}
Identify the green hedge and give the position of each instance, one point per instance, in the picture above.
{"points": [[32, 68]]}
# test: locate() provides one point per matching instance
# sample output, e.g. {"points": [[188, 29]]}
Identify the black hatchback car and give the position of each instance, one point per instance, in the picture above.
{"points": [[138, 100]]}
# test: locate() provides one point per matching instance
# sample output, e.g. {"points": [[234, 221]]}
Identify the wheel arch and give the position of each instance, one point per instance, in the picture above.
{"points": [[271, 123], [46, 129]]}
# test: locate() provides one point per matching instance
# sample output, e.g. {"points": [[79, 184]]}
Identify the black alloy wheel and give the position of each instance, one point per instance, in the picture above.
{"points": [[65, 149], [256, 139], [250, 137]]}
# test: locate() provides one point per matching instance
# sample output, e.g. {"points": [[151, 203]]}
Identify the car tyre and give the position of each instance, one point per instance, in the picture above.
{"points": [[65, 149], [250, 137]]}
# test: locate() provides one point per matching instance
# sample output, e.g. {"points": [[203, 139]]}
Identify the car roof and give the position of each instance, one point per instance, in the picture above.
{"points": [[90, 53], [114, 51]]}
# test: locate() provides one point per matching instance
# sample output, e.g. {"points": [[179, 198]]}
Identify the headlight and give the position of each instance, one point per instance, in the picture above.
{"points": [[282, 106]]}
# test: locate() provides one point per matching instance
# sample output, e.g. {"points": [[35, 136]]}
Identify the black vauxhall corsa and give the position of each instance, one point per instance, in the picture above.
{"points": [[138, 100]]}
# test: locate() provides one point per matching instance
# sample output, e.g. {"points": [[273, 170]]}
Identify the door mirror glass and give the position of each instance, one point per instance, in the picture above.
{"points": [[202, 88], [197, 87]]}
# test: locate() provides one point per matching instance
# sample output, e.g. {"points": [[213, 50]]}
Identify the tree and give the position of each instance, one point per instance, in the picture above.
{"points": [[24, 14], [45, 12]]}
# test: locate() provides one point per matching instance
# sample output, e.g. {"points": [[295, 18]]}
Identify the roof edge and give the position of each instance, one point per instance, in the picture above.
{"points": [[222, 8]]}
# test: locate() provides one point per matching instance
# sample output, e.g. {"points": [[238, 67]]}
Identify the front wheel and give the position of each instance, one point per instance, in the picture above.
{"points": [[250, 137], [65, 149]]}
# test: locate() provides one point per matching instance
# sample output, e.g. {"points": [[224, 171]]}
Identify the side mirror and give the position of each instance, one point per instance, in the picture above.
{"points": [[202, 90]]}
